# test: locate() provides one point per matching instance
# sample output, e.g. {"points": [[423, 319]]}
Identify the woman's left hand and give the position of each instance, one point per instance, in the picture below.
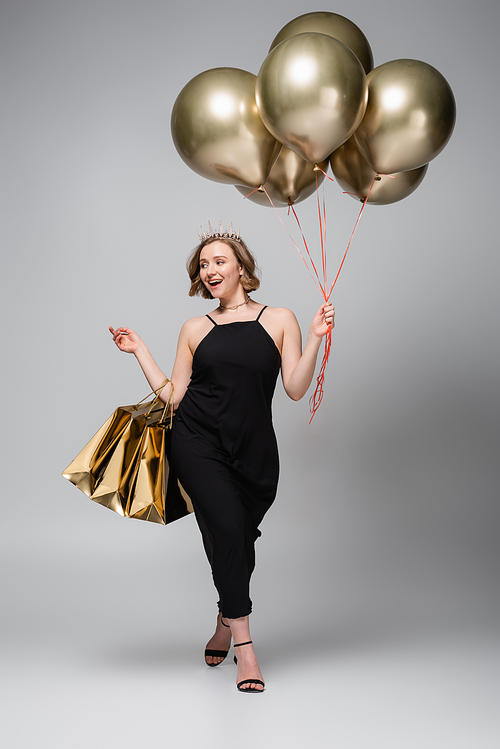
{"points": [[323, 320]]}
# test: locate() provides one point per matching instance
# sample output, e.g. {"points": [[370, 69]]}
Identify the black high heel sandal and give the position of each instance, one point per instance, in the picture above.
{"points": [[217, 653], [250, 690]]}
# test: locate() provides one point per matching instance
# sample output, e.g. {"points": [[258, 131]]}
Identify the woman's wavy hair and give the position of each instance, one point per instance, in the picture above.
{"points": [[249, 278]]}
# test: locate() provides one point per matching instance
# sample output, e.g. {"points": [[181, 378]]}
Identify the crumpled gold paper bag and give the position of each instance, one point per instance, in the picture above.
{"points": [[155, 493], [126, 467]]}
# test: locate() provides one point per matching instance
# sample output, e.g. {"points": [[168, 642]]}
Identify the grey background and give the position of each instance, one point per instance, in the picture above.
{"points": [[376, 590]]}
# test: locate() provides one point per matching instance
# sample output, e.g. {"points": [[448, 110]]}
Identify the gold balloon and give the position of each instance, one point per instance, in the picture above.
{"points": [[355, 176], [334, 25], [409, 118], [290, 180], [311, 93], [217, 130]]}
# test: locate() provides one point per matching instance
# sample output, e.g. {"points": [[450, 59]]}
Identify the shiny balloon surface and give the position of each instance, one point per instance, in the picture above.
{"points": [[409, 118], [331, 24], [311, 94], [217, 130], [290, 180], [355, 176]]}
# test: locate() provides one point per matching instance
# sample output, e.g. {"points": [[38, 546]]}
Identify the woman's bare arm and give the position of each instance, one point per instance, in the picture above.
{"points": [[130, 342], [298, 367]]}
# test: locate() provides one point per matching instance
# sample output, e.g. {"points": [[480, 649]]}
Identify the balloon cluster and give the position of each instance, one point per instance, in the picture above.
{"points": [[316, 100]]}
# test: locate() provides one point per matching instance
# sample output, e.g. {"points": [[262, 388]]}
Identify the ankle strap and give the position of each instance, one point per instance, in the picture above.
{"points": [[239, 644], [224, 625]]}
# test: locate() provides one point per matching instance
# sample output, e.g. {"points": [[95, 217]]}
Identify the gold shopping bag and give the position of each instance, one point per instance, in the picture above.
{"points": [[126, 465]]}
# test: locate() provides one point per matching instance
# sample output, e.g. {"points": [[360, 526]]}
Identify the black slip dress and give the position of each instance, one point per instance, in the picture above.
{"points": [[225, 452]]}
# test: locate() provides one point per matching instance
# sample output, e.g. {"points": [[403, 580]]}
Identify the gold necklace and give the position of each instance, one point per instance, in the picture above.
{"points": [[221, 306]]}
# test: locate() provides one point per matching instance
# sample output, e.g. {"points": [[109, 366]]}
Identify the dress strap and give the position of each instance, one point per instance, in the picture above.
{"points": [[260, 313], [211, 320]]}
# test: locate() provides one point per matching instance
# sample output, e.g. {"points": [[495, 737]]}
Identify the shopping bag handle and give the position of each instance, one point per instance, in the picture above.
{"points": [[156, 392], [169, 402]]}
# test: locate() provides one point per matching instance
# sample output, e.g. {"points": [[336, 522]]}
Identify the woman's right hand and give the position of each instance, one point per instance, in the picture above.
{"points": [[126, 339]]}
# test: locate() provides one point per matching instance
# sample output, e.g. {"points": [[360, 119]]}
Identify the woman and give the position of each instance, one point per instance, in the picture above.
{"points": [[223, 443]]}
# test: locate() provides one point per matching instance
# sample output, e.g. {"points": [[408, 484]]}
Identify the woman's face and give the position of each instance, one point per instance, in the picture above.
{"points": [[220, 271]]}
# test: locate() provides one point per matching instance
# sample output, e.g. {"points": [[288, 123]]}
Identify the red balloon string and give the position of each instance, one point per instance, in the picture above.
{"points": [[256, 190], [322, 231], [365, 201], [321, 285], [317, 397], [317, 168], [312, 270]]}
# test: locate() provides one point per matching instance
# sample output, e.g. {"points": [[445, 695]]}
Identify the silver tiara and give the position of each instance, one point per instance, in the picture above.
{"points": [[220, 234]]}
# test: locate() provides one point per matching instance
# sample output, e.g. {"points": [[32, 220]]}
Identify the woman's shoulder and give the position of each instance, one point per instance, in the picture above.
{"points": [[194, 325], [281, 314], [193, 331], [195, 322]]}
